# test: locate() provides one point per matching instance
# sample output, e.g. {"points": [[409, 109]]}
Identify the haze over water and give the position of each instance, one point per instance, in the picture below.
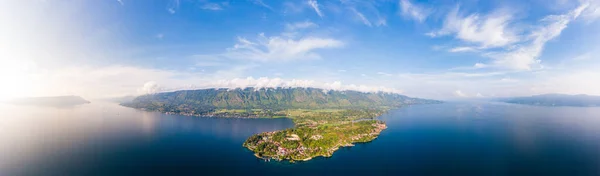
{"points": [[466, 138]]}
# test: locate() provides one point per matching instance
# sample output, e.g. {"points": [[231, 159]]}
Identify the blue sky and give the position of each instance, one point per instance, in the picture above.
{"points": [[432, 49]]}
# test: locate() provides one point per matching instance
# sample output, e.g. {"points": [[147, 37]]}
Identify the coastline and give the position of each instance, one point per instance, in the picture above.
{"points": [[308, 152], [350, 124]]}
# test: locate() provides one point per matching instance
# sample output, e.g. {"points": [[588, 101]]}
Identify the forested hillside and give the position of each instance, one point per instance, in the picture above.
{"points": [[207, 100]]}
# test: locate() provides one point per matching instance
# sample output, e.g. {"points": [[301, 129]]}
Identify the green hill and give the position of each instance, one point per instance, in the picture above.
{"points": [[205, 101]]}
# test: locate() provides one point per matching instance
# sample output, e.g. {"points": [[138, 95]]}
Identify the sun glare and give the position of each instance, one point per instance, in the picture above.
{"points": [[17, 78]]}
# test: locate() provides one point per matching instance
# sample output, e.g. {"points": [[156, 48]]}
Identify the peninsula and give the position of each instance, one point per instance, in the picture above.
{"points": [[317, 133], [324, 120]]}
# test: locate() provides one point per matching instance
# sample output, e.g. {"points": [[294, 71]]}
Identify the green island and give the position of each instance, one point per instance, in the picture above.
{"points": [[324, 120], [317, 133]]}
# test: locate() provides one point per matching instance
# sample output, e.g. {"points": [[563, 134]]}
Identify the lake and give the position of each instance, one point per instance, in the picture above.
{"points": [[462, 138]]}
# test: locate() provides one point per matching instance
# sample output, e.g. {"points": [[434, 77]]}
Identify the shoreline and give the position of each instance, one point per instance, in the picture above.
{"points": [[378, 128], [342, 120]]}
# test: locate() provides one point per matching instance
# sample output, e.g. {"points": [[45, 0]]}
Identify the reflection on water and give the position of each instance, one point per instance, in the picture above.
{"points": [[48, 137], [472, 138]]}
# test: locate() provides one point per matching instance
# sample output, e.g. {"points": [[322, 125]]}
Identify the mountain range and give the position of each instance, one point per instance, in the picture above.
{"points": [[207, 100], [556, 100]]}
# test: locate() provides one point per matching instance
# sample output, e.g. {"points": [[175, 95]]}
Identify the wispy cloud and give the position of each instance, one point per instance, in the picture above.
{"points": [[120, 2], [583, 57], [173, 6], [211, 6], [361, 17], [279, 48], [365, 12], [526, 55], [462, 49], [265, 82], [447, 83], [592, 12], [487, 31], [384, 74], [459, 93], [261, 3], [208, 63], [315, 6], [413, 11], [300, 25]]}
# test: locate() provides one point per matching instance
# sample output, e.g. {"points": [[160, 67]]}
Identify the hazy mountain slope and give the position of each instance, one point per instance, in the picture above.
{"points": [[556, 100]]}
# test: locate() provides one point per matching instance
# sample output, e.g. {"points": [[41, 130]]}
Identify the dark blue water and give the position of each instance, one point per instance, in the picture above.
{"points": [[472, 138]]}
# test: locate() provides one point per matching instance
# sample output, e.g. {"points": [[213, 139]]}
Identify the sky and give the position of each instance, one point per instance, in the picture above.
{"points": [[429, 49]]}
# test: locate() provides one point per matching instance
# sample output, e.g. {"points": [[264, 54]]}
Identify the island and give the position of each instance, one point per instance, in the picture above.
{"points": [[556, 100], [325, 120], [317, 133]]}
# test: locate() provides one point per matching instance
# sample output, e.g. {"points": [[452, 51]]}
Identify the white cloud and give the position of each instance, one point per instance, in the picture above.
{"points": [[462, 49], [459, 93], [583, 57], [525, 56], [487, 31], [101, 82], [265, 82], [474, 67], [413, 11], [300, 25], [480, 65], [384, 74], [211, 6], [315, 6], [173, 6], [592, 12], [569, 82], [479, 95], [94, 82], [519, 51], [209, 63], [365, 12], [444, 85], [261, 3], [149, 87], [361, 17], [280, 48], [338, 86]]}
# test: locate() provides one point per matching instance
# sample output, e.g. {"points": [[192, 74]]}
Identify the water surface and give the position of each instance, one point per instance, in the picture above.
{"points": [[471, 138]]}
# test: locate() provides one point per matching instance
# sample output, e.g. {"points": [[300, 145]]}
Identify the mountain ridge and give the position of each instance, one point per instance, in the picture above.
{"points": [[555, 99], [202, 101]]}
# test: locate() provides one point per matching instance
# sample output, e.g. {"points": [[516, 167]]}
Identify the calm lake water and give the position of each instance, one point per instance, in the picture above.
{"points": [[471, 138]]}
